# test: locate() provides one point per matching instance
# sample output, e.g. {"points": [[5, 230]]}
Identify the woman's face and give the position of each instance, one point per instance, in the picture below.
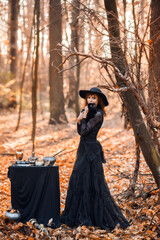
{"points": [[93, 98]]}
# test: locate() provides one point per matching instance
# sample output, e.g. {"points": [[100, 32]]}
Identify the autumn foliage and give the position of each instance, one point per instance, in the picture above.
{"points": [[143, 209]]}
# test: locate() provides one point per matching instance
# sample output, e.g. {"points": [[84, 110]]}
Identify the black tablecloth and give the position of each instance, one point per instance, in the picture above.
{"points": [[35, 193]]}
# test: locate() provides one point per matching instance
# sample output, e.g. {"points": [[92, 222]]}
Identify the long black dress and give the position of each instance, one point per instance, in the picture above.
{"points": [[88, 199]]}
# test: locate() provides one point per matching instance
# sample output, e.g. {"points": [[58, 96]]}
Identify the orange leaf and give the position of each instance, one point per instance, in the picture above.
{"points": [[30, 238], [137, 2], [150, 41], [149, 232]]}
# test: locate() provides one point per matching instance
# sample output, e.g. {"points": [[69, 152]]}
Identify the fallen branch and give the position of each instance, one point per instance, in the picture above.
{"points": [[7, 154]]}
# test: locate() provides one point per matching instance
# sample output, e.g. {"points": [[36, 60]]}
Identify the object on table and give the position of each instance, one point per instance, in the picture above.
{"points": [[49, 161], [32, 159], [19, 155], [13, 215], [22, 163], [39, 163]]}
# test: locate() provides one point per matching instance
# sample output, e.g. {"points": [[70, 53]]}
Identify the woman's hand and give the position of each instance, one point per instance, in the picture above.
{"points": [[85, 112], [82, 115]]}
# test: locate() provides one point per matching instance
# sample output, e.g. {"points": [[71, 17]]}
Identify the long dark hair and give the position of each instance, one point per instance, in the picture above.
{"points": [[100, 103]]}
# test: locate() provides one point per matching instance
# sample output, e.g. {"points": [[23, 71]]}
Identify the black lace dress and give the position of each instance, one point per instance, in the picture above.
{"points": [[89, 201]]}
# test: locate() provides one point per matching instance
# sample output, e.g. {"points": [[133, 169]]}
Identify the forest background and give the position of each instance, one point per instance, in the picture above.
{"points": [[51, 49]]}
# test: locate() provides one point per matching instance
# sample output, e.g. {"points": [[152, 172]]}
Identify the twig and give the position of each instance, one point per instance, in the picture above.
{"points": [[72, 150], [58, 152], [66, 69], [136, 170], [8, 154], [151, 220], [123, 174], [145, 195]]}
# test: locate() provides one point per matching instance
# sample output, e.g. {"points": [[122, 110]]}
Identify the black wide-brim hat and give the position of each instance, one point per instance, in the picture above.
{"points": [[94, 90]]}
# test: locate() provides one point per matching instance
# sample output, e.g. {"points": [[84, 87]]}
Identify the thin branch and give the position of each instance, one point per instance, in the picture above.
{"points": [[72, 66], [130, 86], [116, 90]]}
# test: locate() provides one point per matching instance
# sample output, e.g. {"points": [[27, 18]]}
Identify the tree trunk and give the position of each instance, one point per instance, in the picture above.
{"points": [[35, 73], [23, 80], [14, 9], [154, 68], [125, 33], [142, 7], [74, 73], [42, 62], [57, 113], [140, 131], [77, 109], [125, 50]]}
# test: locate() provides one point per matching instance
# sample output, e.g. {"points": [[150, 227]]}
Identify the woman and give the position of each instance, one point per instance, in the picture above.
{"points": [[88, 199]]}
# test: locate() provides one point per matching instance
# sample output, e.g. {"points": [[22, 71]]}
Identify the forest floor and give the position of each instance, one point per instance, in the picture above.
{"points": [[119, 148]]}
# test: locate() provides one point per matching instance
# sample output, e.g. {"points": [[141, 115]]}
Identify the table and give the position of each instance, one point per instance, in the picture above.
{"points": [[35, 193]]}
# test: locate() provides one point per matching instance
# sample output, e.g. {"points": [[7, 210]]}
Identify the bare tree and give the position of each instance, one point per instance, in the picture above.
{"points": [[154, 66], [141, 133], [14, 10], [23, 80], [35, 71], [57, 113], [124, 81], [74, 73]]}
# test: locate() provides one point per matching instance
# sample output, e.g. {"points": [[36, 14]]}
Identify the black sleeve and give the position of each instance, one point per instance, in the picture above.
{"points": [[79, 128], [87, 127]]}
